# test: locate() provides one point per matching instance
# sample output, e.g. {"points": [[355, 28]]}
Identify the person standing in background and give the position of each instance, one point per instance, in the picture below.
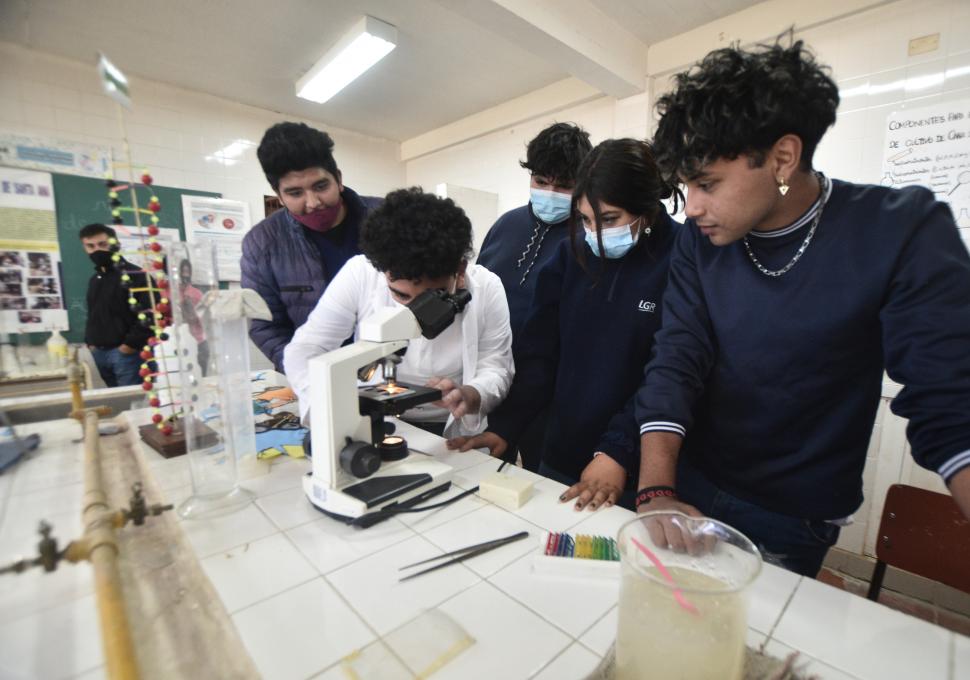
{"points": [[113, 331], [291, 256], [526, 238], [191, 299], [597, 307]]}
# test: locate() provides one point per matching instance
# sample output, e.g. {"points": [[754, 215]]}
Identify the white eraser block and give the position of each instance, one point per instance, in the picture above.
{"points": [[505, 491]]}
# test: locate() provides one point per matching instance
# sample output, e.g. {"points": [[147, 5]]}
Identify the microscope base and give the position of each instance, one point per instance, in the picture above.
{"points": [[395, 484]]}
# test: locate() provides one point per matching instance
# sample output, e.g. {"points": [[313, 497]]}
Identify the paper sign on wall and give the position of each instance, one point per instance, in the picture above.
{"points": [[54, 155], [222, 221], [930, 146], [30, 275]]}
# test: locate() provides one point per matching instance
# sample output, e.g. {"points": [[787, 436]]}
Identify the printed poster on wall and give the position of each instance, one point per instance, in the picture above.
{"points": [[223, 222], [54, 155], [930, 146], [31, 297]]}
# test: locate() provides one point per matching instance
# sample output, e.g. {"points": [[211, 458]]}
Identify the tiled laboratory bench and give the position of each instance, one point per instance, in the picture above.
{"points": [[305, 591]]}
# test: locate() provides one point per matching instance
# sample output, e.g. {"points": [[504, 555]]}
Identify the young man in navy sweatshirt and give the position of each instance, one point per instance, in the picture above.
{"points": [[790, 293], [524, 239]]}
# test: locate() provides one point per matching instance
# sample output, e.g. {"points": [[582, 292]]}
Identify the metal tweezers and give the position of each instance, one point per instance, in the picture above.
{"points": [[463, 554]]}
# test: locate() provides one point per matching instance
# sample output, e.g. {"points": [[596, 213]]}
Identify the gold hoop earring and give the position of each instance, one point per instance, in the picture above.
{"points": [[782, 186]]}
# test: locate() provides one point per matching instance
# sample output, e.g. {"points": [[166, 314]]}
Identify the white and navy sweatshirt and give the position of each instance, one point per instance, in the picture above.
{"points": [[775, 382], [581, 351]]}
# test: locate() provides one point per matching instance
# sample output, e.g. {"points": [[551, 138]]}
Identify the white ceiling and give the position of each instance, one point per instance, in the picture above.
{"points": [[446, 65], [656, 20]]}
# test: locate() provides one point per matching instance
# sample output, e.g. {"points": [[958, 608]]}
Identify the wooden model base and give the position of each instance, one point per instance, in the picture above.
{"points": [[172, 445]]}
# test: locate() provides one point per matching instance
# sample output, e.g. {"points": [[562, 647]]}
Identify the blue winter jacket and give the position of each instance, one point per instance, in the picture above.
{"points": [[288, 271]]}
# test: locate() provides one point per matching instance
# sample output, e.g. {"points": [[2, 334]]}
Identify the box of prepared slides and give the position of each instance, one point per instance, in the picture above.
{"points": [[580, 556]]}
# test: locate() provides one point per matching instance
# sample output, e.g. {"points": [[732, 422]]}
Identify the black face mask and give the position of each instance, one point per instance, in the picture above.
{"points": [[101, 258]]}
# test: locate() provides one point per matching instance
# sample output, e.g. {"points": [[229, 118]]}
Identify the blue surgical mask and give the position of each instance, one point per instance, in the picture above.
{"points": [[552, 207], [617, 241]]}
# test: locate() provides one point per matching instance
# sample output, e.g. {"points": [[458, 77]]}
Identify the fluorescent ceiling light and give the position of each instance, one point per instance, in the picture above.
{"points": [[360, 48]]}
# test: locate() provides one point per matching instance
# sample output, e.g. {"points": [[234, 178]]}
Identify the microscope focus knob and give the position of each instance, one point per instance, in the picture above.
{"points": [[360, 459]]}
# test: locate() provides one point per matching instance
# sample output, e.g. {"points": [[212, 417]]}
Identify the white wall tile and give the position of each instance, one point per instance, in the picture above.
{"points": [[69, 120], [9, 86], [100, 126], [65, 97], [35, 92], [39, 115], [62, 99], [925, 78], [11, 110], [98, 104]]}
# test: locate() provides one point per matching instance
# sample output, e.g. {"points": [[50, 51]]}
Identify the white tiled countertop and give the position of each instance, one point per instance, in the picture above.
{"points": [[304, 590]]}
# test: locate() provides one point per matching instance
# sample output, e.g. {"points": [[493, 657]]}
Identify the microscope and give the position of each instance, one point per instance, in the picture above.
{"points": [[359, 468]]}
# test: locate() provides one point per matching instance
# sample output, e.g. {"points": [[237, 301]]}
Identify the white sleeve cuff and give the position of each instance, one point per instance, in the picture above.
{"points": [[663, 426], [954, 465]]}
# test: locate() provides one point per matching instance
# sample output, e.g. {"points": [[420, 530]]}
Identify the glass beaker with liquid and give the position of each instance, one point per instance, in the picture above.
{"points": [[683, 614]]}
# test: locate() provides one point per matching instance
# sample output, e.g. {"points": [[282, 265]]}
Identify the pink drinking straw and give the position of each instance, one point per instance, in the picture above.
{"points": [[678, 595]]}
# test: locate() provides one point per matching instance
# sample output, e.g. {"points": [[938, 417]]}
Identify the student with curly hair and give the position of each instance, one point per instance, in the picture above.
{"points": [[291, 256], [412, 243], [524, 239], [597, 306], [790, 293]]}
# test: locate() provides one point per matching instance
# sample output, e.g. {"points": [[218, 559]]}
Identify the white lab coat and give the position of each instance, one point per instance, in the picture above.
{"points": [[359, 290]]}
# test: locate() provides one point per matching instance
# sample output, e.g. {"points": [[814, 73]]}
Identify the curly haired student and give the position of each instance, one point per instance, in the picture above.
{"points": [[416, 242], [790, 294]]}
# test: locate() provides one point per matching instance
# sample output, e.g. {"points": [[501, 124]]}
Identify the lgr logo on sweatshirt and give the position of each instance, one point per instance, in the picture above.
{"points": [[647, 306]]}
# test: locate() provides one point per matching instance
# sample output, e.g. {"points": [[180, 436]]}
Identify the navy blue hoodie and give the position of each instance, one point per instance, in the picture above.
{"points": [[776, 381], [582, 349], [516, 248]]}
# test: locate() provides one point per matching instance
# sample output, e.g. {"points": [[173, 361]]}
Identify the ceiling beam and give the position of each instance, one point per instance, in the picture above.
{"points": [[760, 23], [571, 34], [541, 102]]}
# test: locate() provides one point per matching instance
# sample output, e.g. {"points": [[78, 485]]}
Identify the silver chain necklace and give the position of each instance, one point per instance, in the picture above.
{"points": [[801, 249]]}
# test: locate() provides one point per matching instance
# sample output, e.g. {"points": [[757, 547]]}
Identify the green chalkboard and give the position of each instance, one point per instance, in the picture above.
{"points": [[83, 200]]}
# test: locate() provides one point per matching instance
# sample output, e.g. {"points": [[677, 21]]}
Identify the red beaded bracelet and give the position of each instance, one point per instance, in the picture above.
{"points": [[647, 494]]}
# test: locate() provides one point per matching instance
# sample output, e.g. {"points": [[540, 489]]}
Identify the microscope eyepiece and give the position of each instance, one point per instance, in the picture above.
{"points": [[436, 309]]}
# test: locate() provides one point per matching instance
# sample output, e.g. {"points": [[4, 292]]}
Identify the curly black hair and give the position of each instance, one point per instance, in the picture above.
{"points": [[286, 147], [738, 102], [557, 151], [414, 235]]}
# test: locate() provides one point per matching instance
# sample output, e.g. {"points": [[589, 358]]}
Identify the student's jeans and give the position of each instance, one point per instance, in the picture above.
{"points": [[116, 368], [796, 544]]}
